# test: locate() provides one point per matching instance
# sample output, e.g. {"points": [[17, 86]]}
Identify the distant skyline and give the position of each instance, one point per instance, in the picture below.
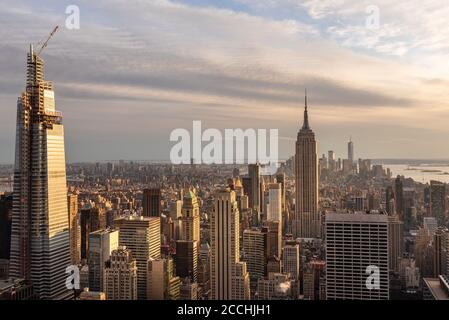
{"points": [[136, 70]]}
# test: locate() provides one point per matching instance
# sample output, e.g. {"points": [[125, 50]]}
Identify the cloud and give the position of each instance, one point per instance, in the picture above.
{"points": [[133, 63]]}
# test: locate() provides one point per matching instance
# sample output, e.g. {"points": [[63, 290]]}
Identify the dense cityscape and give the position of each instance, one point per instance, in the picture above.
{"points": [[323, 227]]}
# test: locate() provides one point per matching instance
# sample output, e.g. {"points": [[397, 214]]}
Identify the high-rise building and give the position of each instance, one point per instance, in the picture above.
{"points": [[395, 229], [255, 253], [274, 212], [274, 238], [225, 247], [141, 235], [254, 196], [357, 248], [189, 290], [162, 283], [291, 260], [151, 202], [306, 222], [399, 197], [241, 282], [40, 249], [91, 219], [101, 244], [120, 275], [351, 152], [190, 218], [438, 201], [5, 225], [186, 259], [74, 228]]}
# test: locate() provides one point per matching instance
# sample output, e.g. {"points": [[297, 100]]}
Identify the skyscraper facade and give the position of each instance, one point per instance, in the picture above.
{"points": [[120, 276], [141, 235], [74, 228], [151, 202], [225, 248], [356, 243], [351, 152], [306, 222], [40, 238]]}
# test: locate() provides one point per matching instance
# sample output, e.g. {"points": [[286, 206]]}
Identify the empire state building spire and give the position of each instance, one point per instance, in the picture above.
{"points": [[306, 126]]}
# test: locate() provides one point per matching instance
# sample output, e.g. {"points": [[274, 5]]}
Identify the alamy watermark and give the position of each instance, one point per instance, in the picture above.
{"points": [[211, 146], [72, 21]]}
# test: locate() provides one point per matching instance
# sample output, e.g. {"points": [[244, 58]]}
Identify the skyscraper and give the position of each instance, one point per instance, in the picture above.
{"points": [[306, 222], [190, 218], [399, 197], [395, 229], [101, 244], [438, 201], [120, 276], [274, 212], [40, 238], [225, 248], [356, 243], [151, 202], [141, 235], [74, 228], [351, 152], [255, 253], [254, 196]]}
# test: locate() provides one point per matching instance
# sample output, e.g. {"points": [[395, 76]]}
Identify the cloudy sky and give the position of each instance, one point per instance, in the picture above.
{"points": [[137, 69]]}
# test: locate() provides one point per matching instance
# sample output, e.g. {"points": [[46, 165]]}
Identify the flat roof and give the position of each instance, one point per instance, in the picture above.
{"points": [[356, 217]]}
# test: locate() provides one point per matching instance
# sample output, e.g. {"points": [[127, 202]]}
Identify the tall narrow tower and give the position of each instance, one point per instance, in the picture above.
{"points": [[351, 151], [306, 222], [40, 239]]}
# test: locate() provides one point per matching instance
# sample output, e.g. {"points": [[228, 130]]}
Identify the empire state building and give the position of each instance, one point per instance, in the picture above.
{"points": [[40, 239], [306, 221]]}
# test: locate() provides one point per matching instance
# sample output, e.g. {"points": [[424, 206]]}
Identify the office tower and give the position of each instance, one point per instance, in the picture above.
{"points": [[291, 260], [399, 197], [141, 235], [204, 270], [120, 275], [186, 259], [438, 201], [190, 218], [273, 265], [241, 282], [351, 152], [5, 225], [331, 163], [40, 239], [74, 228], [151, 202], [188, 290], [254, 196], [101, 244], [354, 242], [389, 201], [274, 238], [440, 251], [395, 237], [424, 252], [278, 286], [225, 248], [306, 222], [175, 208], [255, 253], [162, 283], [274, 212], [280, 178], [91, 219]]}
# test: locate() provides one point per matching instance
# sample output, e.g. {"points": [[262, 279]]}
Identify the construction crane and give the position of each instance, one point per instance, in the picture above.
{"points": [[44, 45]]}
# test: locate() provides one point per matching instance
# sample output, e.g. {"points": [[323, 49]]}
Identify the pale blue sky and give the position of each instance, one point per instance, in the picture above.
{"points": [[138, 69]]}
